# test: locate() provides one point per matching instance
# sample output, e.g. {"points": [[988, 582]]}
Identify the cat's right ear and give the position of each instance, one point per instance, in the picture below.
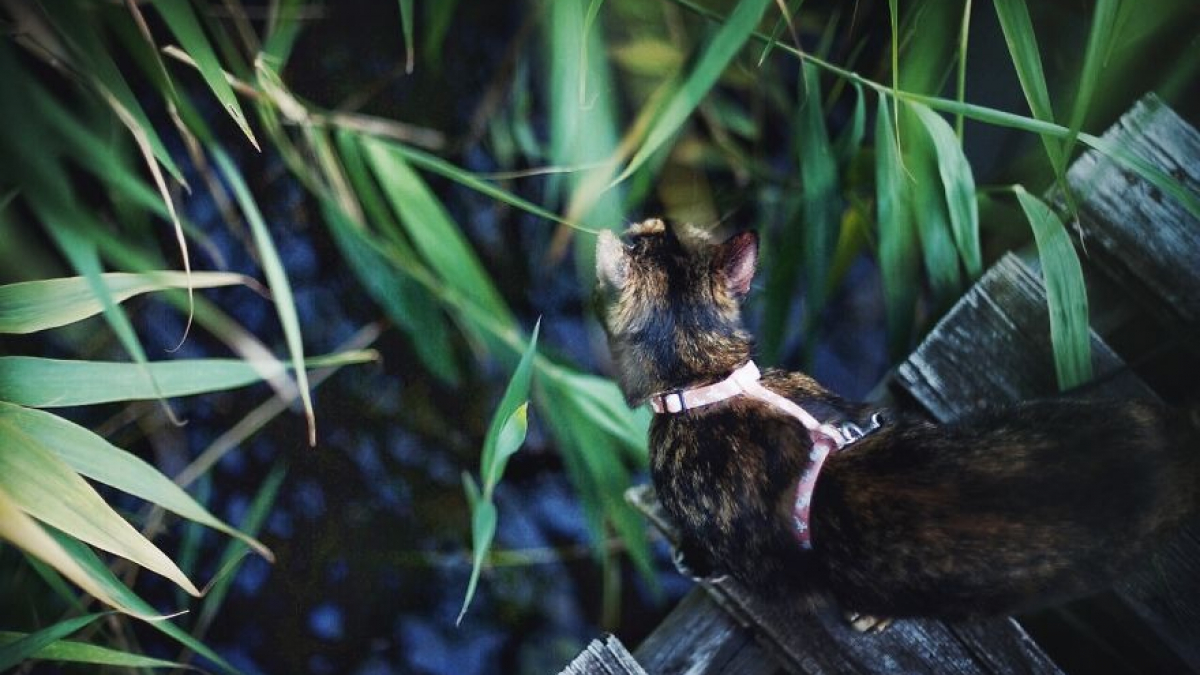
{"points": [[612, 263], [737, 259]]}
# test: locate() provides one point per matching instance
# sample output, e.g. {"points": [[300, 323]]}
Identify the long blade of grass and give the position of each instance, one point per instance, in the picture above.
{"points": [[959, 184], [927, 201], [483, 531], [822, 204], [92, 456], [432, 231], [403, 300], [54, 383], [231, 559], [181, 19], [850, 141], [277, 279], [1100, 41], [443, 168], [509, 418], [1022, 45], [71, 651], [406, 24], [25, 533], [1066, 294], [80, 30], [26, 646], [898, 262], [505, 434], [89, 561], [31, 306], [46, 488], [960, 90], [712, 62]]}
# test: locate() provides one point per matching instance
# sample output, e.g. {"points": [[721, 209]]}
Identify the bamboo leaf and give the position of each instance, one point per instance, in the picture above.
{"points": [[31, 306], [1066, 294], [181, 19], [25, 533], [277, 279], [94, 457], [959, 184], [71, 651], [26, 646], [45, 487], [898, 261], [52, 383], [725, 44]]}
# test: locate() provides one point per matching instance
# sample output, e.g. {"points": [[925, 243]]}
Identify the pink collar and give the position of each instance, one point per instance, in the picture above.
{"points": [[744, 381]]}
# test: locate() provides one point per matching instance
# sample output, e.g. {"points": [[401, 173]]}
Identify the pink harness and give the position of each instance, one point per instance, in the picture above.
{"points": [[826, 439]]}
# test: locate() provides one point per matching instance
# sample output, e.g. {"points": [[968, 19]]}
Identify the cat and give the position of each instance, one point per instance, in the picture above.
{"points": [[1007, 510]]}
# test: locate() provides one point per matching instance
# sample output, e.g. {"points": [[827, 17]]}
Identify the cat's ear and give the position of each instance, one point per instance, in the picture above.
{"points": [[612, 263], [736, 260]]}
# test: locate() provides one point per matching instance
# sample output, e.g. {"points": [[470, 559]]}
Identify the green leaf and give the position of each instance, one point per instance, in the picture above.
{"points": [[111, 586], [822, 203], [182, 21], [441, 167], [1066, 293], [27, 534], [80, 29], [1022, 45], [509, 421], [1100, 42], [231, 559], [712, 62], [927, 200], [403, 300], [94, 457], [31, 306], [46, 488], [959, 184], [406, 21], [51, 383], [898, 262], [71, 651], [277, 279], [433, 233], [26, 646], [850, 141], [483, 530]]}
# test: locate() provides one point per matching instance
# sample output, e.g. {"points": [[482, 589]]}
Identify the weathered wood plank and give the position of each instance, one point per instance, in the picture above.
{"points": [[817, 640], [993, 347], [956, 370], [1144, 239], [699, 638], [607, 657]]}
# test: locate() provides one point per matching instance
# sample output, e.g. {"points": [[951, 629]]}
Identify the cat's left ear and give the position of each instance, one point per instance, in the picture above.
{"points": [[737, 259], [612, 263]]}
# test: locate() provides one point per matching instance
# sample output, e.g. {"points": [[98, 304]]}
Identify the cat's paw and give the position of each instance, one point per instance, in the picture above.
{"points": [[695, 565], [867, 623]]}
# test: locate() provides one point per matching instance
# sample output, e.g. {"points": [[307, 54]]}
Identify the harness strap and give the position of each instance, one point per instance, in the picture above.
{"points": [[826, 439]]}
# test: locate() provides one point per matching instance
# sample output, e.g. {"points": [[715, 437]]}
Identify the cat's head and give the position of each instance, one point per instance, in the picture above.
{"points": [[670, 301]]}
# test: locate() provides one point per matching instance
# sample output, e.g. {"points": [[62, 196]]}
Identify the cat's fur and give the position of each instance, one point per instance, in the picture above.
{"points": [[997, 513]]}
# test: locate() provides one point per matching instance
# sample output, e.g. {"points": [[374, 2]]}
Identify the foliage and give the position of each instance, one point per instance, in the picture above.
{"points": [[667, 108]]}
